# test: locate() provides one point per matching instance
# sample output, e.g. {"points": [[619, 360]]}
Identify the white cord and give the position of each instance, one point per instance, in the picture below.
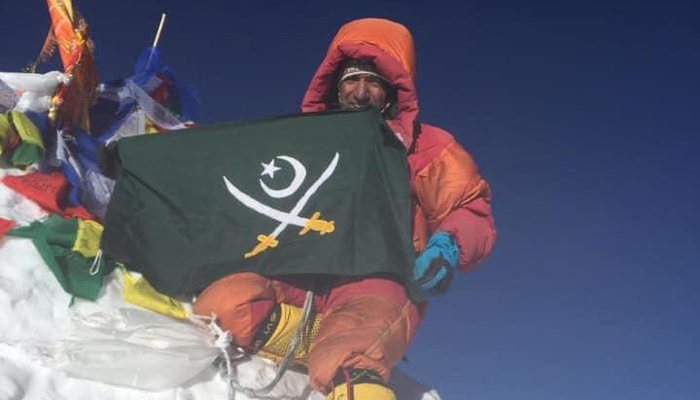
{"points": [[97, 263], [223, 342]]}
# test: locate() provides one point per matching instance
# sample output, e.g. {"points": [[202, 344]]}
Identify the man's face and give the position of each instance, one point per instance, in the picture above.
{"points": [[362, 90]]}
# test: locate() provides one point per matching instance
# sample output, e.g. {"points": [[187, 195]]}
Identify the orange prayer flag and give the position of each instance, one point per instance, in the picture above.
{"points": [[70, 32], [62, 27]]}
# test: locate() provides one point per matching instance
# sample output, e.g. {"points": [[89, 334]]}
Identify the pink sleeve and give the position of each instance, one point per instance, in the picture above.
{"points": [[473, 227]]}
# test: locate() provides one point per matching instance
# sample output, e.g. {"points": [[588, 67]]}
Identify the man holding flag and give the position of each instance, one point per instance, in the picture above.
{"points": [[363, 323]]}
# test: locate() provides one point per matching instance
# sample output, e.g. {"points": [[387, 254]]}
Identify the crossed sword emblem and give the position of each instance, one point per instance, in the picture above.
{"points": [[287, 218]]}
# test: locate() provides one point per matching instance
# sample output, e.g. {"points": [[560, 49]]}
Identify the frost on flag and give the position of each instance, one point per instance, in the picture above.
{"points": [[315, 193]]}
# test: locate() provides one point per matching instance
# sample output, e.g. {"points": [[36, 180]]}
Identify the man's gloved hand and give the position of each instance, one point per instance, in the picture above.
{"points": [[433, 268]]}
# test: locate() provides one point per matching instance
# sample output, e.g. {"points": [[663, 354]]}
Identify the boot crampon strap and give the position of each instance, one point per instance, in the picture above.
{"points": [[359, 384], [274, 337]]}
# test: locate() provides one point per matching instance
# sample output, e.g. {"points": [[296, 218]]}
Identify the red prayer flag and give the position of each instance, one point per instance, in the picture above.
{"points": [[47, 190], [5, 225]]}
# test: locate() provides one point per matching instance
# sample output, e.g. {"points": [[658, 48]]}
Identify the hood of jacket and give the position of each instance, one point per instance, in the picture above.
{"points": [[389, 46]]}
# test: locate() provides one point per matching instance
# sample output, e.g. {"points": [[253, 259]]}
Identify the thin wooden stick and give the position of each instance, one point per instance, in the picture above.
{"points": [[155, 41], [160, 28]]}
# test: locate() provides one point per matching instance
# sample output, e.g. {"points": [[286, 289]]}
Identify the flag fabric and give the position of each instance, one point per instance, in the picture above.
{"points": [[87, 187], [69, 31], [160, 83], [20, 139], [139, 292], [320, 193], [8, 136], [8, 97], [69, 248], [5, 225], [48, 190]]}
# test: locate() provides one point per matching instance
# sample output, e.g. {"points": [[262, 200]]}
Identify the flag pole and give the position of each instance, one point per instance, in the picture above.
{"points": [[157, 38], [160, 29]]}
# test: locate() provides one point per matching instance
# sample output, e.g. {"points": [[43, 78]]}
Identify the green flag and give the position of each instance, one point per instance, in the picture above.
{"points": [[69, 248], [313, 193]]}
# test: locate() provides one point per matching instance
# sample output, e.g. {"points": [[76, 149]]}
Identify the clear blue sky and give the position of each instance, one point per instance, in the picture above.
{"points": [[583, 115]]}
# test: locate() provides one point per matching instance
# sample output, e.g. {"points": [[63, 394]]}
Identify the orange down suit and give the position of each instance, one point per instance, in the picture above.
{"points": [[369, 323]]}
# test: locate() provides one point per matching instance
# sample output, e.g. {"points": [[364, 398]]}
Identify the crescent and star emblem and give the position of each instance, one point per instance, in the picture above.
{"points": [[286, 218], [270, 169]]}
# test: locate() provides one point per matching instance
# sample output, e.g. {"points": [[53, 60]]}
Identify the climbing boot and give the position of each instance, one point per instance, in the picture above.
{"points": [[274, 337], [359, 384]]}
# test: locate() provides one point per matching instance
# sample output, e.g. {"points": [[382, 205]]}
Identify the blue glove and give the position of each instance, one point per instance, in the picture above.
{"points": [[433, 268]]}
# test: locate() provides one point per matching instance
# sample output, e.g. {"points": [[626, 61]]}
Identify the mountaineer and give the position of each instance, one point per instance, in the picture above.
{"points": [[364, 325]]}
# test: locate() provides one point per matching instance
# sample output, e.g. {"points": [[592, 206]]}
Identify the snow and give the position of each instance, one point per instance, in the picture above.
{"points": [[54, 347]]}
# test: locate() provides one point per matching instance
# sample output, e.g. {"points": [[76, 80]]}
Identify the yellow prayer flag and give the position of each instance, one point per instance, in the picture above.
{"points": [[139, 292], [87, 241], [26, 129], [7, 134]]}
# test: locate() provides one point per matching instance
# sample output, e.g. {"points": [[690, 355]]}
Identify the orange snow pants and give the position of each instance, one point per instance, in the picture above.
{"points": [[367, 322]]}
